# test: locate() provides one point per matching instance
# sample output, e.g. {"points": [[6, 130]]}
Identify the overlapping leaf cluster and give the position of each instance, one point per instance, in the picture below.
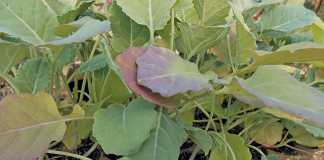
{"points": [[142, 77]]}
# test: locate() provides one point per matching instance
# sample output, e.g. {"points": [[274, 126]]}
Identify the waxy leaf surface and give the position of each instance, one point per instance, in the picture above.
{"points": [[243, 5], [273, 87], [152, 13], [164, 142], [195, 39], [28, 124], [211, 12], [10, 55], [285, 18], [127, 33], [234, 149], [128, 68], [34, 24], [304, 52], [166, 73], [122, 130], [89, 29], [33, 76]]}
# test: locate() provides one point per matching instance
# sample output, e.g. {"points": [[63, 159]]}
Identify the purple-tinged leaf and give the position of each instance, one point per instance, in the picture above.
{"points": [[166, 73], [127, 64]]}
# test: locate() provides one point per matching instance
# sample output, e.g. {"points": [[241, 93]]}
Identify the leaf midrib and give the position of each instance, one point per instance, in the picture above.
{"points": [[23, 22]]}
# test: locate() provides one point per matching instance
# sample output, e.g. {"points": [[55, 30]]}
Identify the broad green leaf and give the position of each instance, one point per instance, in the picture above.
{"points": [[66, 55], [74, 134], [315, 131], [33, 76], [128, 68], [287, 18], [304, 52], [182, 5], [72, 14], [211, 12], [79, 130], [164, 142], [109, 87], [231, 147], [317, 30], [95, 63], [32, 21], [168, 74], [243, 5], [187, 117], [239, 46], [60, 6], [110, 58], [10, 55], [195, 39], [301, 2], [127, 33], [89, 29], [65, 30], [267, 133], [153, 13], [189, 16], [122, 130], [273, 87], [245, 43], [28, 124], [301, 136], [201, 138]]}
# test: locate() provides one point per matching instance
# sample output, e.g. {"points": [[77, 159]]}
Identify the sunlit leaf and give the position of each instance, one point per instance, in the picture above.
{"points": [[287, 18], [168, 74], [19, 21], [212, 12], [239, 46], [182, 5], [127, 33], [151, 13], [317, 30], [304, 52], [28, 124], [273, 87], [127, 64], [89, 29], [195, 39]]}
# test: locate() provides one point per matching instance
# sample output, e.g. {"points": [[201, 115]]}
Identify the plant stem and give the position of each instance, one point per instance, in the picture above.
{"points": [[258, 150], [68, 154], [194, 153], [84, 82], [210, 121], [151, 25], [93, 148], [172, 29], [11, 84]]}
